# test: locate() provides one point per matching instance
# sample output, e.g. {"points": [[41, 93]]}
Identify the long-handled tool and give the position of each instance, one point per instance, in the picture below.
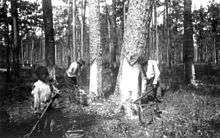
{"points": [[143, 96], [41, 116]]}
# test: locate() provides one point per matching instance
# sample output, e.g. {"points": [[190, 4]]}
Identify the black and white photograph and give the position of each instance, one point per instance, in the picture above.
{"points": [[109, 68]]}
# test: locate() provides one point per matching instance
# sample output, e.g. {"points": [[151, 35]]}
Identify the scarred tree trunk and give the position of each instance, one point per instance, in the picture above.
{"points": [[95, 86], [188, 49], [133, 52], [49, 37]]}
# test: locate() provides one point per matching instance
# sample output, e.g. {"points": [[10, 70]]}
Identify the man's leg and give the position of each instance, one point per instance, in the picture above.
{"points": [[74, 81], [155, 89]]}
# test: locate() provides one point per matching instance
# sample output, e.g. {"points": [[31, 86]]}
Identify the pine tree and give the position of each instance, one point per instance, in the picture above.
{"points": [[134, 46], [49, 37], [95, 86], [188, 50]]}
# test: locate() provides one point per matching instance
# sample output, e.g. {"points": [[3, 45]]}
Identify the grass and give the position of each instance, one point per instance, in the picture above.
{"points": [[187, 114]]}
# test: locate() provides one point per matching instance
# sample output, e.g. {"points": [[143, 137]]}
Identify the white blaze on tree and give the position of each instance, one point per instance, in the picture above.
{"points": [[133, 51], [93, 84], [95, 51], [129, 84]]}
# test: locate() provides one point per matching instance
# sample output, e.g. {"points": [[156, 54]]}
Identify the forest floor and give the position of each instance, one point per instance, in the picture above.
{"points": [[186, 111]]}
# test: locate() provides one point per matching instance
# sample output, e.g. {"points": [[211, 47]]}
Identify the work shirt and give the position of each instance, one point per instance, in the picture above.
{"points": [[153, 71], [73, 69], [42, 94]]}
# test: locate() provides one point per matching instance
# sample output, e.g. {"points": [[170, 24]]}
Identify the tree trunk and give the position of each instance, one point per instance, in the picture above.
{"points": [[74, 49], [6, 36], [49, 37], [168, 31], [114, 34], [133, 51], [83, 28], [32, 52], [214, 50], [155, 33], [188, 48], [113, 42], [95, 86], [16, 44], [22, 54], [69, 26]]}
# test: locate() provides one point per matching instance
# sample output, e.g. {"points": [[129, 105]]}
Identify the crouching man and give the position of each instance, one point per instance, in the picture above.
{"points": [[43, 91], [71, 77], [72, 73]]}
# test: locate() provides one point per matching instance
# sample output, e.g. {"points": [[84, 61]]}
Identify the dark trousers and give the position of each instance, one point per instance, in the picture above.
{"points": [[71, 82], [49, 124], [150, 83]]}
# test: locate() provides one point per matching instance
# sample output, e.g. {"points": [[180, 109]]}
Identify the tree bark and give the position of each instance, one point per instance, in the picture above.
{"points": [[74, 49], [188, 48], [69, 44], [113, 36], [16, 44], [6, 36], [168, 32], [156, 32], [134, 51], [82, 28], [49, 37], [95, 86]]}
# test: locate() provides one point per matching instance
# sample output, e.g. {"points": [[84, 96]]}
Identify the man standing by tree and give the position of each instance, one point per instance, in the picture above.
{"points": [[152, 77]]}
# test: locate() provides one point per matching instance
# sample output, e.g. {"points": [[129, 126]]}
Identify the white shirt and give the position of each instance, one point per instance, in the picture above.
{"points": [[73, 69], [41, 93], [153, 71]]}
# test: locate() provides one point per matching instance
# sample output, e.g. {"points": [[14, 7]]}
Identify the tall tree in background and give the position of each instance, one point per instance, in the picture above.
{"points": [[113, 35], [83, 8], [49, 37], [188, 49], [168, 31], [214, 11], [5, 33], [16, 44], [156, 31], [73, 49], [133, 52], [95, 84]]}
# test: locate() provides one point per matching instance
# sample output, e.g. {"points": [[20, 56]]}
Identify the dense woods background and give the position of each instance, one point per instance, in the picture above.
{"points": [[23, 41], [111, 35]]}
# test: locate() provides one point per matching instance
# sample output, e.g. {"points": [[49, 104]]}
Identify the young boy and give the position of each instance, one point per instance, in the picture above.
{"points": [[43, 91]]}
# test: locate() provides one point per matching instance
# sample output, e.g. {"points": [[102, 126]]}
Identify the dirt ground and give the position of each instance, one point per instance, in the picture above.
{"points": [[184, 114], [185, 111]]}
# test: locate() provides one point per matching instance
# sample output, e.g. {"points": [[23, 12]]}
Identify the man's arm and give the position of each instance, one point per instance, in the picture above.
{"points": [[72, 69], [157, 73], [143, 72]]}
